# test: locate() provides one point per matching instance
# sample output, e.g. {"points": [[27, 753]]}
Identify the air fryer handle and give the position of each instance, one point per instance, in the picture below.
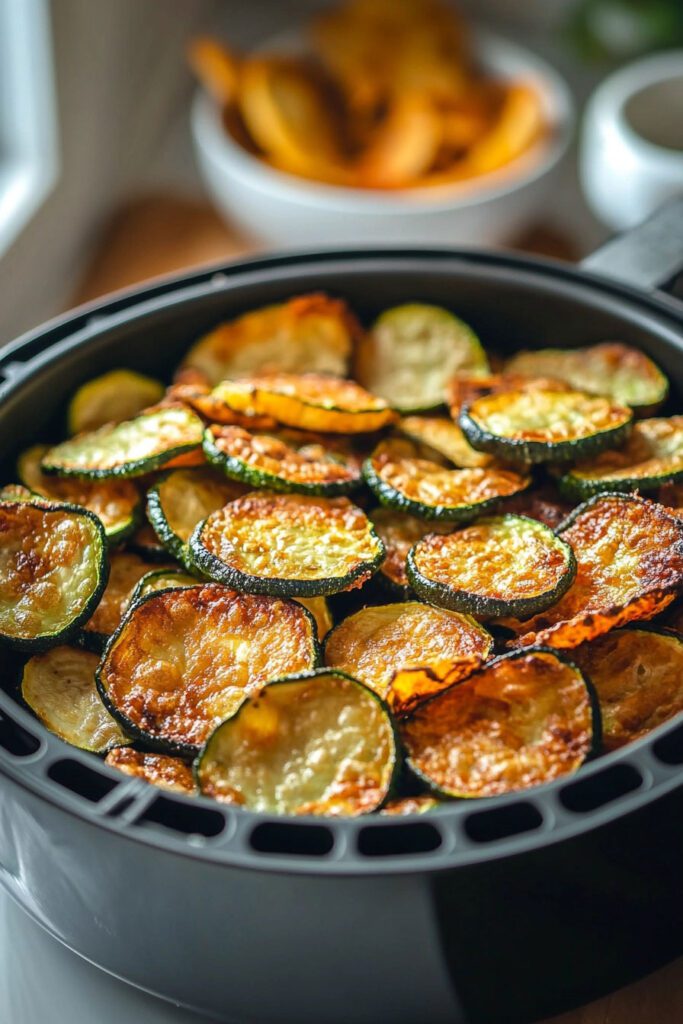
{"points": [[649, 256]]}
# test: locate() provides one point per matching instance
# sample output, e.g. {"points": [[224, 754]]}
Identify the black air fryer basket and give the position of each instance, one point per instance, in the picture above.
{"points": [[482, 912]]}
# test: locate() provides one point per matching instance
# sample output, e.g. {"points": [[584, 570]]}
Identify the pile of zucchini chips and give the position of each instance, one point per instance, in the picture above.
{"points": [[332, 570]]}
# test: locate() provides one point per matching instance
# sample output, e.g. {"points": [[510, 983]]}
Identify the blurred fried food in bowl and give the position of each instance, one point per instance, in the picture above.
{"points": [[386, 120]]}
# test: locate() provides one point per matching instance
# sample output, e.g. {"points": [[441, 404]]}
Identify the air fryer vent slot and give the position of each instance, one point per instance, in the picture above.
{"points": [[398, 840], [300, 840], [80, 779], [180, 817], [15, 739], [669, 748], [502, 822], [595, 791]]}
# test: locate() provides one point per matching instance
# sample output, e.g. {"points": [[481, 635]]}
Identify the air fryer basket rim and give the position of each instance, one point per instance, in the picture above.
{"points": [[631, 777]]}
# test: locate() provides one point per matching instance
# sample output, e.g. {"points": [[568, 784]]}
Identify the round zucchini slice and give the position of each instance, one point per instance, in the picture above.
{"points": [[420, 487], [412, 351], [629, 557], [398, 532], [115, 396], [638, 676], [59, 687], [183, 660], [621, 372], [183, 498], [283, 751], [162, 770], [545, 425], [308, 334], [211, 406], [131, 448], [521, 720], [651, 458], [464, 389], [161, 579], [53, 569], [287, 545], [310, 401], [320, 610], [410, 805], [262, 460], [446, 438], [125, 572], [501, 565], [116, 503], [378, 642]]}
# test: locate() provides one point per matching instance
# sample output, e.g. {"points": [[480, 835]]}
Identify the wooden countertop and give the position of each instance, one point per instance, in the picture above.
{"points": [[158, 235]]}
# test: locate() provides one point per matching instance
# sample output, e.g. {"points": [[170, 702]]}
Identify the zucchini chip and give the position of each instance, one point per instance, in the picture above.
{"points": [[410, 805], [521, 720], [211, 406], [377, 642], [125, 572], [116, 503], [115, 396], [398, 532], [287, 545], [161, 579], [131, 448], [446, 438], [464, 389], [53, 569], [420, 487], [308, 334], [638, 676], [309, 401], [183, 660], [320, 610], [283, 751], [181, 499], [411, 353], [161, 770], [544, 425], [503, 565], [262, 460], [59, 687], [629, 556], [651, 458], [620, 372]]}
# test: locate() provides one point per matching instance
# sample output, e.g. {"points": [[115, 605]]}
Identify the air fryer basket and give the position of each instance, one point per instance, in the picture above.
{"points": [[487, 911]]}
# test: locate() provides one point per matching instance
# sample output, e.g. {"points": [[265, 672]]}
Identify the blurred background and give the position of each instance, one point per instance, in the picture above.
{"points": [[138, 138]]}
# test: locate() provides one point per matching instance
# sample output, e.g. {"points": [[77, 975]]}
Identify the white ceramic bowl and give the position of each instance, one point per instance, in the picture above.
{"points": [[632, 140], [283, 210]]}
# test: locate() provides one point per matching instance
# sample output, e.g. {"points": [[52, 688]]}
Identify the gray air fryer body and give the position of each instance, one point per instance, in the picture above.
{"points": [[481, 912]]}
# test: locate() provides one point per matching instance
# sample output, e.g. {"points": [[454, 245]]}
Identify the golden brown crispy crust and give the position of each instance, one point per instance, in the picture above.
{"points": [[185, 659], [161, 770], [629, 555], [517, 723]]}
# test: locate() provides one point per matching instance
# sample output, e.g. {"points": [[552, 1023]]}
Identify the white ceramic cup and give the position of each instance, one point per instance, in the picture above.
{"points": [[283, 210], [631, 157]]}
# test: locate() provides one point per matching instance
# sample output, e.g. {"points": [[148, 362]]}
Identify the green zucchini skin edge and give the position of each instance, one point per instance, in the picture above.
{"points": [[137, 467], [391, 498], [236, 469], [575, 488], [156, 516], [45, 641], [596, 719], [159, 744], [511, 450], [137, 595], [593, 500], [443, 596], [214, 569], [302, 677]]}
